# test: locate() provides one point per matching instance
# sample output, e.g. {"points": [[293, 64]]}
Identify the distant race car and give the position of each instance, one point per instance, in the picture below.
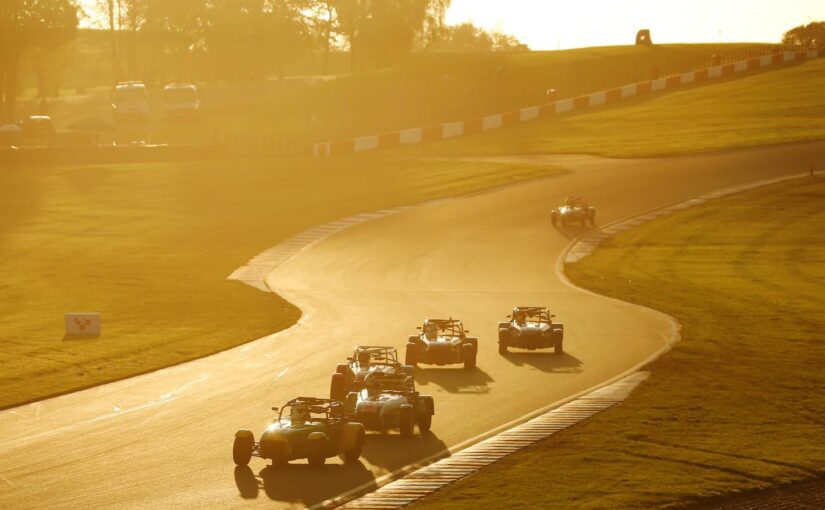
{"points": [[575, 209], [388, 402], [442, 342], [530, 327], [306, 428], [365, 359]]}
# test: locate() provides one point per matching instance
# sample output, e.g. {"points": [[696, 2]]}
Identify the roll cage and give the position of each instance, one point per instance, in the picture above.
{"points": [[318, 409], [446, 327], [533, 314], [379, 355], [391, 383]]}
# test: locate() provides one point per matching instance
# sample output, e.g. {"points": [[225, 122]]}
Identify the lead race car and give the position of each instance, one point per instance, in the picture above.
{"points": [[575, 209], [365, 360], [306, 428], [390, 401], [442, 342], [530, 327]]}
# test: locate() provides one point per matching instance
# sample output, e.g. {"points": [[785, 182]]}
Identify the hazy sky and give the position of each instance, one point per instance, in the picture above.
{"points": [[550, 24]]}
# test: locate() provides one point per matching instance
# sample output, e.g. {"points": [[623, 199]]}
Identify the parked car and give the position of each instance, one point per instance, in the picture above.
{"points": [[442, 342], [365, 360], [530, 327], [38, 130], [389, 402], [130, 101], [306, 428], [181, 99]]}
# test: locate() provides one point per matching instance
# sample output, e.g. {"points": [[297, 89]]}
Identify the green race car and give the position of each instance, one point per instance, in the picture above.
{"points": [[306, 428]]}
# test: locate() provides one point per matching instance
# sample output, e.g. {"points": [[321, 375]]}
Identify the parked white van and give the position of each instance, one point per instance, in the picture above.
{"points": [[180, 98], [130, 101]]}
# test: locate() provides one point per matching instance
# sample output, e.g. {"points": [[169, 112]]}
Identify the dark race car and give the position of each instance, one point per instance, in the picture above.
{"points": [[530, 327], [442, 342], [365, 360], [306, 428], [574, 210], [389, 402]]}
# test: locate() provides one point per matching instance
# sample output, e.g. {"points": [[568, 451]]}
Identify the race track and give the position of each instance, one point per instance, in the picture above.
{"points": [[164, 439]]}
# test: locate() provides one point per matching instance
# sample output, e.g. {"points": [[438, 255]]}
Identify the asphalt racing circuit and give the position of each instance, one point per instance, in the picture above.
{"points": [[164, 439]]}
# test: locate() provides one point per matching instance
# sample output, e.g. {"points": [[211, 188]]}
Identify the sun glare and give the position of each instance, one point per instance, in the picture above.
{"points": [[546, 25]]}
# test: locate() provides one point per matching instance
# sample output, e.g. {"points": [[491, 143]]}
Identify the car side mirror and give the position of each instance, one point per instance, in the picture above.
{"points": [[467, 331], [274, 408], [418, 327], [349, 358], [552, 315], [509, 316]]}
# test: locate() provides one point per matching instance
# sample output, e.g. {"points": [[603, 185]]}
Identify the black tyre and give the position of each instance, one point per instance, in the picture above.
{"points": [[593, 218], [425, 422], [316, 448], [406, 420], [243, 447], [411, 355], [338, 387], [354, 454], [342, 369], [468, 354], [558, 347]]}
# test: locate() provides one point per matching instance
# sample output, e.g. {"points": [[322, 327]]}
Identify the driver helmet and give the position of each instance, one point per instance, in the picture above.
{"points": [[521, 317], [299, 414], [373, 386], [430, 331], [363, 359]]}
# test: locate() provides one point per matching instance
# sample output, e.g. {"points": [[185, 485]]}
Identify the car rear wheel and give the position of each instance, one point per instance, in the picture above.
{"points": [[316, 449], [468, 354], [406, 421], [558, 348], [243, 447], [337, 387], [411, 354], [352, 450], [425, 421]]}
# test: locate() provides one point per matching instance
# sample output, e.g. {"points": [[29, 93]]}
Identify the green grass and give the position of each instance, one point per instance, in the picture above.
{"points": [[769, 108], [149, 246], [736, 406]]}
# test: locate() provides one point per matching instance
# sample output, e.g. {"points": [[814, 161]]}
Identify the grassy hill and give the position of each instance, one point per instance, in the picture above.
{"points": [[427, 89], [776, 106]]}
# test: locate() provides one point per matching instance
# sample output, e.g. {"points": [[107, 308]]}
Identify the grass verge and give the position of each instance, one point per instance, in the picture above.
{"points": [[149, 246], [736, 406], [785, 105]]}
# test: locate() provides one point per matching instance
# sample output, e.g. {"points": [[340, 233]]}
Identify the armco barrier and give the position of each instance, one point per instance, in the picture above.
{"points": [[464, 127]]}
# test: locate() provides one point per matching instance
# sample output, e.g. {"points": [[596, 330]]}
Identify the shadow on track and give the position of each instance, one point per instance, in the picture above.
{"points": [[455, 379], [546, 361], [573, 231], [391, 451], [300, 483]]}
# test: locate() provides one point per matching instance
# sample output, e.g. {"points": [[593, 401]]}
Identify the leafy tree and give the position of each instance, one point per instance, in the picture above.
{"points": [[27, 25], [810, 35], [468, 38]]}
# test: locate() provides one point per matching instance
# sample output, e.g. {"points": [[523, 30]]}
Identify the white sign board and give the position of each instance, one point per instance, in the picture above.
{"points": [[83, 324]]}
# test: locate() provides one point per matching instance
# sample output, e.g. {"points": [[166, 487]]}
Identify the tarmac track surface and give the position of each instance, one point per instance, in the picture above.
{"points": [[163, 439]]}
